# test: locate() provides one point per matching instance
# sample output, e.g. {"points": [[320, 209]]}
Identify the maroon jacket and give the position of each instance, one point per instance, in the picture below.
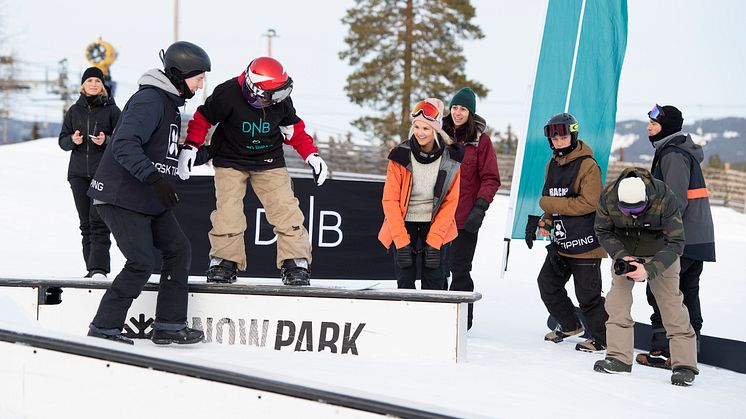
{"points": [[480, 177]]}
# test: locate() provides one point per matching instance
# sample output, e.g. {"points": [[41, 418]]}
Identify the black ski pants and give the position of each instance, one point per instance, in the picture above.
{"points": [[96, 241], [689, 285], [460, 257], [432, 279], [137, 235], [586, 274]]}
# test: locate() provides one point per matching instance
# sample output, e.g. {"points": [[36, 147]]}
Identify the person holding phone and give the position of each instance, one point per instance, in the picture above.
{"points": [[86, 132]]}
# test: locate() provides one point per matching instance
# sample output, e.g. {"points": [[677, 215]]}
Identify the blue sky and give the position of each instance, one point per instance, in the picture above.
{"points": [[682, 52]]}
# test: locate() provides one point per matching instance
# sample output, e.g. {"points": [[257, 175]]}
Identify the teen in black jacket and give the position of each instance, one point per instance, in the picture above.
{"points": [[86, 132]]}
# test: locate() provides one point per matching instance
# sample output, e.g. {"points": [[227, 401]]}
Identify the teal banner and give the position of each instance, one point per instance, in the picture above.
{"points": [[580, 61]]}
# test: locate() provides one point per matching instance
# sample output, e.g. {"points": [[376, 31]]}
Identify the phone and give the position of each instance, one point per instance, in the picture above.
{"points": [[92, 137]]}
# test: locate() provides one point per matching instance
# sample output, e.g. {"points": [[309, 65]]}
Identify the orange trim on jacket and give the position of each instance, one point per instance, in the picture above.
{"points": [[697, 193], [396, 193]]}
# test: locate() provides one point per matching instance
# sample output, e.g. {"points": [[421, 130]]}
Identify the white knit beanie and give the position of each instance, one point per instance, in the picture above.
{"points": [[631, 190]]}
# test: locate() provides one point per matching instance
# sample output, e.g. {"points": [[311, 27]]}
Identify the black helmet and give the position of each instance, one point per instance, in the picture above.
{"points": [[183, 60], [562, 124]]}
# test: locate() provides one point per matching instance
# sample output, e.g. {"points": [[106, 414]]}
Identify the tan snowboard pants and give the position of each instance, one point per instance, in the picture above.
{"points": [[620, 326], [274, 190]]}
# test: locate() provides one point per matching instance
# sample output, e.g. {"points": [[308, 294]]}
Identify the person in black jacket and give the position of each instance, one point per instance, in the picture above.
{"points": [[677, 162], [134, 192], [86, 131]]}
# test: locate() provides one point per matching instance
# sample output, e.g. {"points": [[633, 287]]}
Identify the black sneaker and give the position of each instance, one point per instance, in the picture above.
{"points": [[222, 271], [683, 376], [294, 273], [612, 366], [184, 336], [657, 358], [115, 338], [96, 274]]}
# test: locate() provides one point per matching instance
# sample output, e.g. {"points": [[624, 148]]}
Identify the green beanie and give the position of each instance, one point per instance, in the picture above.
{"points": [[466, 98]]}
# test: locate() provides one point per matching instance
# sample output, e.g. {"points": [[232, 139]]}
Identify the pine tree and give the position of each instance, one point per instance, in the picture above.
{"points": [[405, 50]]}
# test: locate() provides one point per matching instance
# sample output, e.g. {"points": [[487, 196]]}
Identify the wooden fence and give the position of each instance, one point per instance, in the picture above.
{"points": [[726, 187]]}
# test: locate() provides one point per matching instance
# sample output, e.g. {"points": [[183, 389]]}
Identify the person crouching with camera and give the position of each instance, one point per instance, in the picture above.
{"points": [[638, 222]]}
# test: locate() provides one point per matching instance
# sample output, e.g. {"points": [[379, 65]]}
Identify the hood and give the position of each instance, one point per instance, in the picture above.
{"points": [[582, 150], [158, 79], [652, 189], [682, 141], [481, 124]]}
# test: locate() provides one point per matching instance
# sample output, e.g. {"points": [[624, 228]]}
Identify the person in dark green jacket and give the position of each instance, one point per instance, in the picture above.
{"points": [[639, 224]]}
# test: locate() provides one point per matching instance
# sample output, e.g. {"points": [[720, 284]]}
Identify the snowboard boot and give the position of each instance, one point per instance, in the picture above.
{"points": [[683, 376], [184, 336], [559, 333], [590, 345], [657, 358], [114, 338], [612, 366], [222, 271], [295, 272]]}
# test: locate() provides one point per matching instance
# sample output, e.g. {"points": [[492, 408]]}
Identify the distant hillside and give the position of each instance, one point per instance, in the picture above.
{"points": [[21, 130], [725, 137]]}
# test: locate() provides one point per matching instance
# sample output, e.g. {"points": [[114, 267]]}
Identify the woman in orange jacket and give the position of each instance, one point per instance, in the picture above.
{"points": [[420, 199]]}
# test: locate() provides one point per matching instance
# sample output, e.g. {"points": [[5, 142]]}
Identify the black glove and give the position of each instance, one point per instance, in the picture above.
{"points": [[432, 257], [559, 266], [531, 226], [164, 191], [404, 257], [476, 215]]}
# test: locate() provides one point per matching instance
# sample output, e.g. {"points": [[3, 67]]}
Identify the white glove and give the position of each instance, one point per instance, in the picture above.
{"points": [[318, 165], [187, 155]]}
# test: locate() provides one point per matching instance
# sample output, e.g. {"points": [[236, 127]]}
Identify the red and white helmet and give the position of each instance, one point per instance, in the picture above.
{"points": [[268, 81]]}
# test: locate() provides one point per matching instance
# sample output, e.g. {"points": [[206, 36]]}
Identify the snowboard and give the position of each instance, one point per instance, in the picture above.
{"points": [[552, 323]]}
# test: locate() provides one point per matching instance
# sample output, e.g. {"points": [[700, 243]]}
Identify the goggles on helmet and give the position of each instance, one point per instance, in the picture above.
{"points": [[552, 130], [427, 109], [656, 113], [633, 210], [270, 96]]}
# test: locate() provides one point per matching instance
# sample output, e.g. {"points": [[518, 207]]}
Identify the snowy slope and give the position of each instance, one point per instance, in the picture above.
{"points": [[511, 371]]}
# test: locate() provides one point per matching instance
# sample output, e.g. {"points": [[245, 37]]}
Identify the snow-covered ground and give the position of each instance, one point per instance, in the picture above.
{"points": [[511, 371]]}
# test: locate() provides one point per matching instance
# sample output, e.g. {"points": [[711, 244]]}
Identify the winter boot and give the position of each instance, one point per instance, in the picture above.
{"points": [[656, 358], [184, 336], [590, 345], [222, 271], [683, 376], [295, 272], [560, 333], [114, 338], [612, 366]]}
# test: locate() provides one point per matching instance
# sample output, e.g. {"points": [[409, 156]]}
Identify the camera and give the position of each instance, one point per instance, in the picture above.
{"points": [[623, 267]]}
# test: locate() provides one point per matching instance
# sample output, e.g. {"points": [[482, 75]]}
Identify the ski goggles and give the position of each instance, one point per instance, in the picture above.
{"points": [[633, 210], [656, 113], [427, 110], [552, 130], [270, 96]]}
